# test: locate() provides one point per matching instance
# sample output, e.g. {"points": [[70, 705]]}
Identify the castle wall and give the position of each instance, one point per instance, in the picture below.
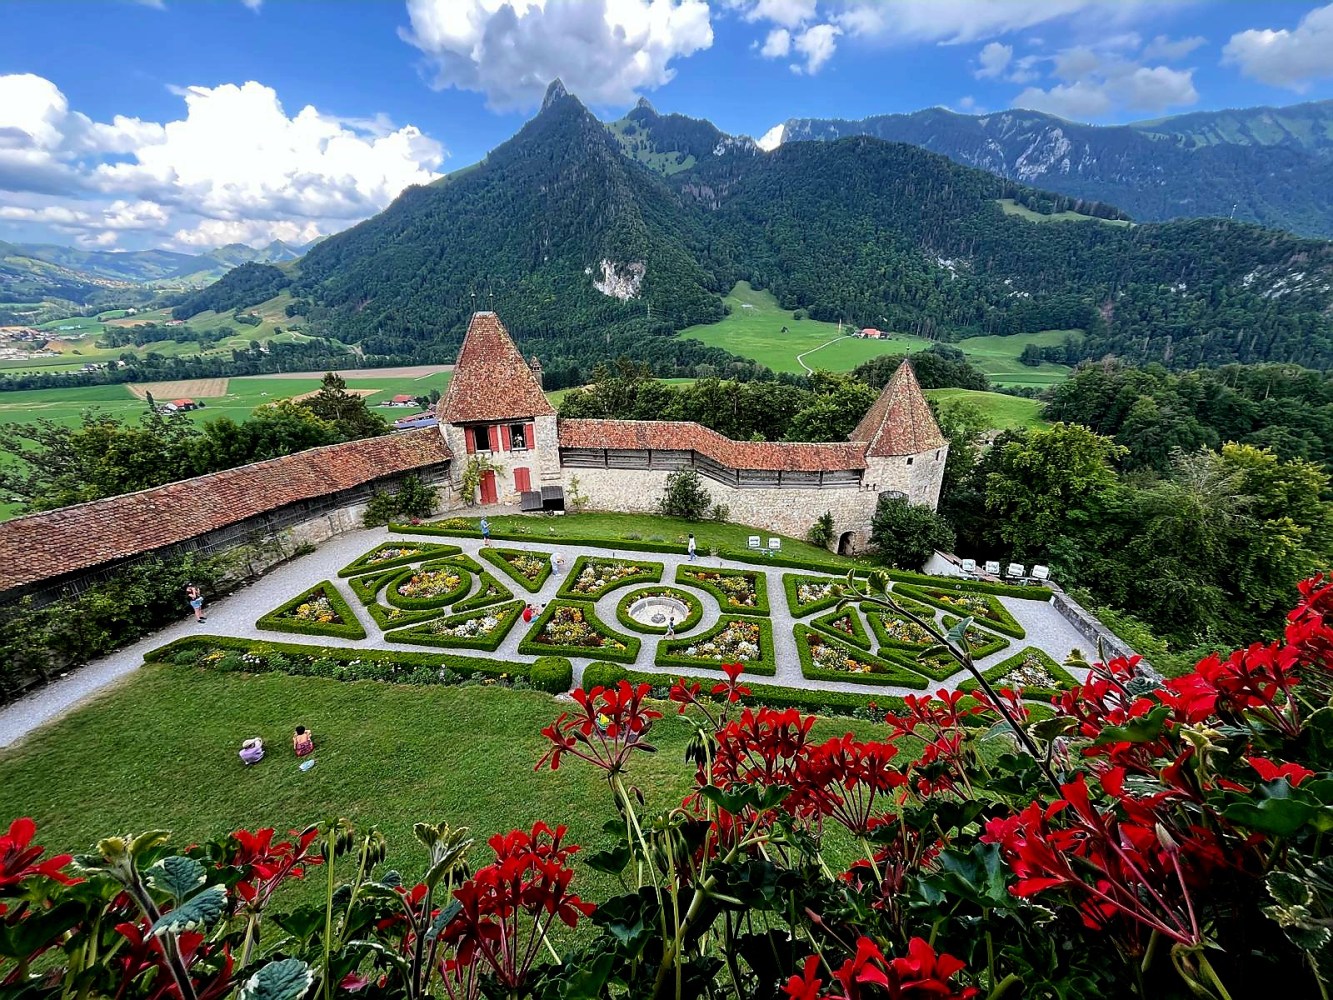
{"points": [[789, 511], [920, 481]]}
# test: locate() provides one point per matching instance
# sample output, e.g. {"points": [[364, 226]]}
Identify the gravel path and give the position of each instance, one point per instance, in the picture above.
{"points": [[236, 615]]}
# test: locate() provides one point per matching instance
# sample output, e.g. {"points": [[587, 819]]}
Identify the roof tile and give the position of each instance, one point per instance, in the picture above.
{"points": [[491, 381], [899, 422]]}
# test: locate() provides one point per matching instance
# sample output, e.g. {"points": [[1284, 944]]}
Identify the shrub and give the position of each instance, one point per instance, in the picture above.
{"points": [[428, 586], [553, 674], [821, 532], [482, 629], [844, 624], [720, 512], [906, 534], [983, 607], [592, 576], [728, 641], [397, 554], [818, 650], [740, 591], [685, 496], [572, 629], [529, 569], [1032, 670]]}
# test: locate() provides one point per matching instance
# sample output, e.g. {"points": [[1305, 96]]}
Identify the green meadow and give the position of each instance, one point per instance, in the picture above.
{"points": [[1011, 207], [1003, 412]]}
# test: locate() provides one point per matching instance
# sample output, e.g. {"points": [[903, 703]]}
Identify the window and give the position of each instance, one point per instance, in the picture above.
{"points": [[518, 437], [937, 456], [909, 459], [482, 436]]}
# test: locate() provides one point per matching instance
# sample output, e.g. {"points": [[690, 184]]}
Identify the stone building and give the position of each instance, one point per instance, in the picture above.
{"points": [[496, 416]]}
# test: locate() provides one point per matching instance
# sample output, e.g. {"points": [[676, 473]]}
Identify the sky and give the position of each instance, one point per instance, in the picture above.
{"points": [[189, 124]]}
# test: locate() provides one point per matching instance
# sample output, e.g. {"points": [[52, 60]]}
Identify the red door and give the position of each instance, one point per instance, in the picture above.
{"points": [[522, 480], [488, 487]]}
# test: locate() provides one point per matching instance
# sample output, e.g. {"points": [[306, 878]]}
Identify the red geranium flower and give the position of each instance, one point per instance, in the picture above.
{"points": [[1268, 771], [20, 858]]}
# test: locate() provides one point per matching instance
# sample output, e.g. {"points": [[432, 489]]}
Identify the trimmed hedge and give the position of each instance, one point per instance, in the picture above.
{"points": [[554, 674], [687, 575], [828, 623], [368, 586], [439, 601], [497, 558], [387, 665], [791, 583], [1059, 674], [668, 654], [391, 618], [691, 619], [979, 651], [489, 591], [348, 628], [425, 635], [649, 572], [428, 550], [1031, 593], [882, 673], [996, 617], [875, 615], [531, 647]]}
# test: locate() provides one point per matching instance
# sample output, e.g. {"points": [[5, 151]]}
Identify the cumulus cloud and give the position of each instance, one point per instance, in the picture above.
{"points": [[817, 44], [787, 13], [961, 21], [1169, 50], [1291, 58], [777, 44], [605, 51], [992, 59], [236, 163]]}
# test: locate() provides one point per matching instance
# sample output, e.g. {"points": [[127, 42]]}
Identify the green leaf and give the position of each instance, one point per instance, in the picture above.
{"points": [[1288, 890], [958, 634], [177, 875], [1278, 817], [585, 982], [1141, 729], [285, 979], [732, 802], [611, 862], [442, 919], [196, 913], [301, 922], [1052, 728], [148, 840]]}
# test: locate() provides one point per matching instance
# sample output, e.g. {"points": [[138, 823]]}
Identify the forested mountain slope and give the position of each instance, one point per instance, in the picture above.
{"points": [[1272, 166], [589, 253]]}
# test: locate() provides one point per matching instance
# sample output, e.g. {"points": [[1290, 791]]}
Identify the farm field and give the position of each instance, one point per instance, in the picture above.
{"points": [[753, 329], [1004, 412]]}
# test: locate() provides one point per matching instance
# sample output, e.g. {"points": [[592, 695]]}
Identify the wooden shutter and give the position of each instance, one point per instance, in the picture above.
{"points": [[504, 437], [531, 435], [522, 480], [471, 440]]}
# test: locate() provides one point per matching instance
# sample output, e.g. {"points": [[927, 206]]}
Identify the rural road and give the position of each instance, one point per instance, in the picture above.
{"points": [[800, 358]]}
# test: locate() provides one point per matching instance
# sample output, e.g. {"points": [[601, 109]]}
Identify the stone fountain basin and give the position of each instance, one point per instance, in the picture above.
{"points": [[657, 611]]}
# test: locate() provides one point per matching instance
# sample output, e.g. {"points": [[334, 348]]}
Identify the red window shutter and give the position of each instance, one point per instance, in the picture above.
{"points": [[471, 441], [531, 435], [522, 480], [504, 437]]}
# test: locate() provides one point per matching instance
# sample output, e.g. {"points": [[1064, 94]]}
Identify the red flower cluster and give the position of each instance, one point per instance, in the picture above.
{"points": [[938, 721], [686, 693], [266, 865], [848, 780], [1258, 680], [20, 859], [920, 973], [613, 723]]}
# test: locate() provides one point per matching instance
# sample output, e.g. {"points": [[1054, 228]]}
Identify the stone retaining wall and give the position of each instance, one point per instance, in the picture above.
{"points": [[1092, 629]]}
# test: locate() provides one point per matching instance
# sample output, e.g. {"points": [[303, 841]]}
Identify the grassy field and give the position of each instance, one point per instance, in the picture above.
{"points": [[1004, 412], [1011, 207], [753, 329], [159, 751]]}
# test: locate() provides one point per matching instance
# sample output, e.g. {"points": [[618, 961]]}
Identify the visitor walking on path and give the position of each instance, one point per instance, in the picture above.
{"points": [[557, 563], [691, 548], [671, 626], [485, 531], [196, 598]]}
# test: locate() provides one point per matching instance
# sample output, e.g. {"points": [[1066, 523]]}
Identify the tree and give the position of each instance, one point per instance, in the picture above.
{"points": [[821, 532], [962, 423], [906, 534], [685, 496], [346, 411]]}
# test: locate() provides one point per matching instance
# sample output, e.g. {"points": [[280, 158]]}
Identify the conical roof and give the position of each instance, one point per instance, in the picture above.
{"points": [[899, 422], [491, 380]]}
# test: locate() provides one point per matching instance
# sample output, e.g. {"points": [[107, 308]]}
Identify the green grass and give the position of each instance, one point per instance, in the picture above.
{"points": [[1011, 207], [753, 329], [159, 751], [1004, 412]]}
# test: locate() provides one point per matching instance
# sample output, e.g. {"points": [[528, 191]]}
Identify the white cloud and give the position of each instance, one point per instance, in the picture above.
{"points": [[1167, 50], [817, 44], [787, 13], [236, 162], [960, 21], [969, 105], [777, 44], [254, 5], [1291, 58], [992, 59], [605, 51], [1068, 100]]}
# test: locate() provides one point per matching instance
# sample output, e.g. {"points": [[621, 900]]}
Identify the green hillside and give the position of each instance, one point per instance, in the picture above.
{"points": [[1003, 412]]}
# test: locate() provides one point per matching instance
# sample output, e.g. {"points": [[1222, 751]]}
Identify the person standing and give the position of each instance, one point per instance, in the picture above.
{"points": [[557, 563], [196, 598], [671, 626], [485, 531], [691, 548]]}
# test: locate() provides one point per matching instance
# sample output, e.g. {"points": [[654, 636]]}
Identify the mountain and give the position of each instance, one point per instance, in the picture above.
{"points": [[590, 253], [1272, 166]]}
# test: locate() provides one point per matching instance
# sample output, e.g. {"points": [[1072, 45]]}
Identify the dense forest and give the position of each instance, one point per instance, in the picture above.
{"points": [[860, 230], [242, 286]]}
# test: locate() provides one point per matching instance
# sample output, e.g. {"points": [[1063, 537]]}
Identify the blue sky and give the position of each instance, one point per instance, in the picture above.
{"points": [[127, 124]]}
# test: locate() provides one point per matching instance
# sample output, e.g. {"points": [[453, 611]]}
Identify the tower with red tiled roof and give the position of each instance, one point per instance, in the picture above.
{"points": [[904, 448], [494, 414]]}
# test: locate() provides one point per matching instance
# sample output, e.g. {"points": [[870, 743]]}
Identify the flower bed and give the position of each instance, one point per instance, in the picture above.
{"points": [[592, 576], [741, 591], [320, 610], [482, 629], [897, 631], [528, 569], [981, 606], [567, 628], [397, 554], [825, 658], [845, 625], [1032, 670], [808, 594], [980, 643], [390, 618], [367, 586], [432, 585], [731, 640], [489, 591], [691, 619]]}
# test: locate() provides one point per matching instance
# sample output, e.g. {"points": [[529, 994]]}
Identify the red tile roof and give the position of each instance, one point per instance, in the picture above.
{"points": [[51, 544], [491, 380], [679, 435], [899, 422]]}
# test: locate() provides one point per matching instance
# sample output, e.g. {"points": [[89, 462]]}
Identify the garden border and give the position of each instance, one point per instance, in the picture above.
{"points": [[530, 647], [790, 581], [902, 675], [495, 558], [1006, 623], [350, 628], [873, 612], [859, 638], [765, 666], [993, 674], [651, 572], [696, 608], [353, 569], [479, 600], [439, 601], [761, 606], [488, 643]]}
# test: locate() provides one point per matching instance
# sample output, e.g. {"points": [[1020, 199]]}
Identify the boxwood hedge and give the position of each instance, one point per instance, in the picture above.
{"points": [[671, 654], [532, 647], [489, 591], [792, 582], [876, 615], [648, 572], [438, 601], [280, 618], [427, 634], [391, 618], [500, 558], [882, 672], [1063, 679], [690, 576], [366, 587], [554, 674], [832, 624], [693, 604], [995, 616], [367, 563], [982, 643]]}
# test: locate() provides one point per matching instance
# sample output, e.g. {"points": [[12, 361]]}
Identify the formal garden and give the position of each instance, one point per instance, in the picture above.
{"points": [[865, 785]]}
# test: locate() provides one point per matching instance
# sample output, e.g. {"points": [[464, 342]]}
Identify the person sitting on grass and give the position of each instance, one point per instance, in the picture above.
{"points": [[252, 751], [303, 742]]}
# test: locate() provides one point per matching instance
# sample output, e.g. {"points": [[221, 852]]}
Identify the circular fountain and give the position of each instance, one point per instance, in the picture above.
{"points": [[658, 609]]}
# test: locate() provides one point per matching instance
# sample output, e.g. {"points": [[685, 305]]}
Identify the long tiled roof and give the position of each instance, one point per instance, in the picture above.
{"points": [[52, 544], [491, 381], [899, 422], [679, 435]]}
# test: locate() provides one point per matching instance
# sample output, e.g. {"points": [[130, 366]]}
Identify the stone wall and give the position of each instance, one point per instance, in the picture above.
{"points": [[918, 476], [1093, 630], [542, 460], [790, 511]]}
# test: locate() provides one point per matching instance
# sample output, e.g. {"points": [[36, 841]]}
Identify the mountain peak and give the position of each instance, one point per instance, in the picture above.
{"points": [[554, 93], [645, 105]]}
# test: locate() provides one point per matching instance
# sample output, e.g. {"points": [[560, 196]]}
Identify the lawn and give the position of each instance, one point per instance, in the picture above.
{"points": [[753, 329], [1011, 207], [159, 751], [1004, 412]]}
